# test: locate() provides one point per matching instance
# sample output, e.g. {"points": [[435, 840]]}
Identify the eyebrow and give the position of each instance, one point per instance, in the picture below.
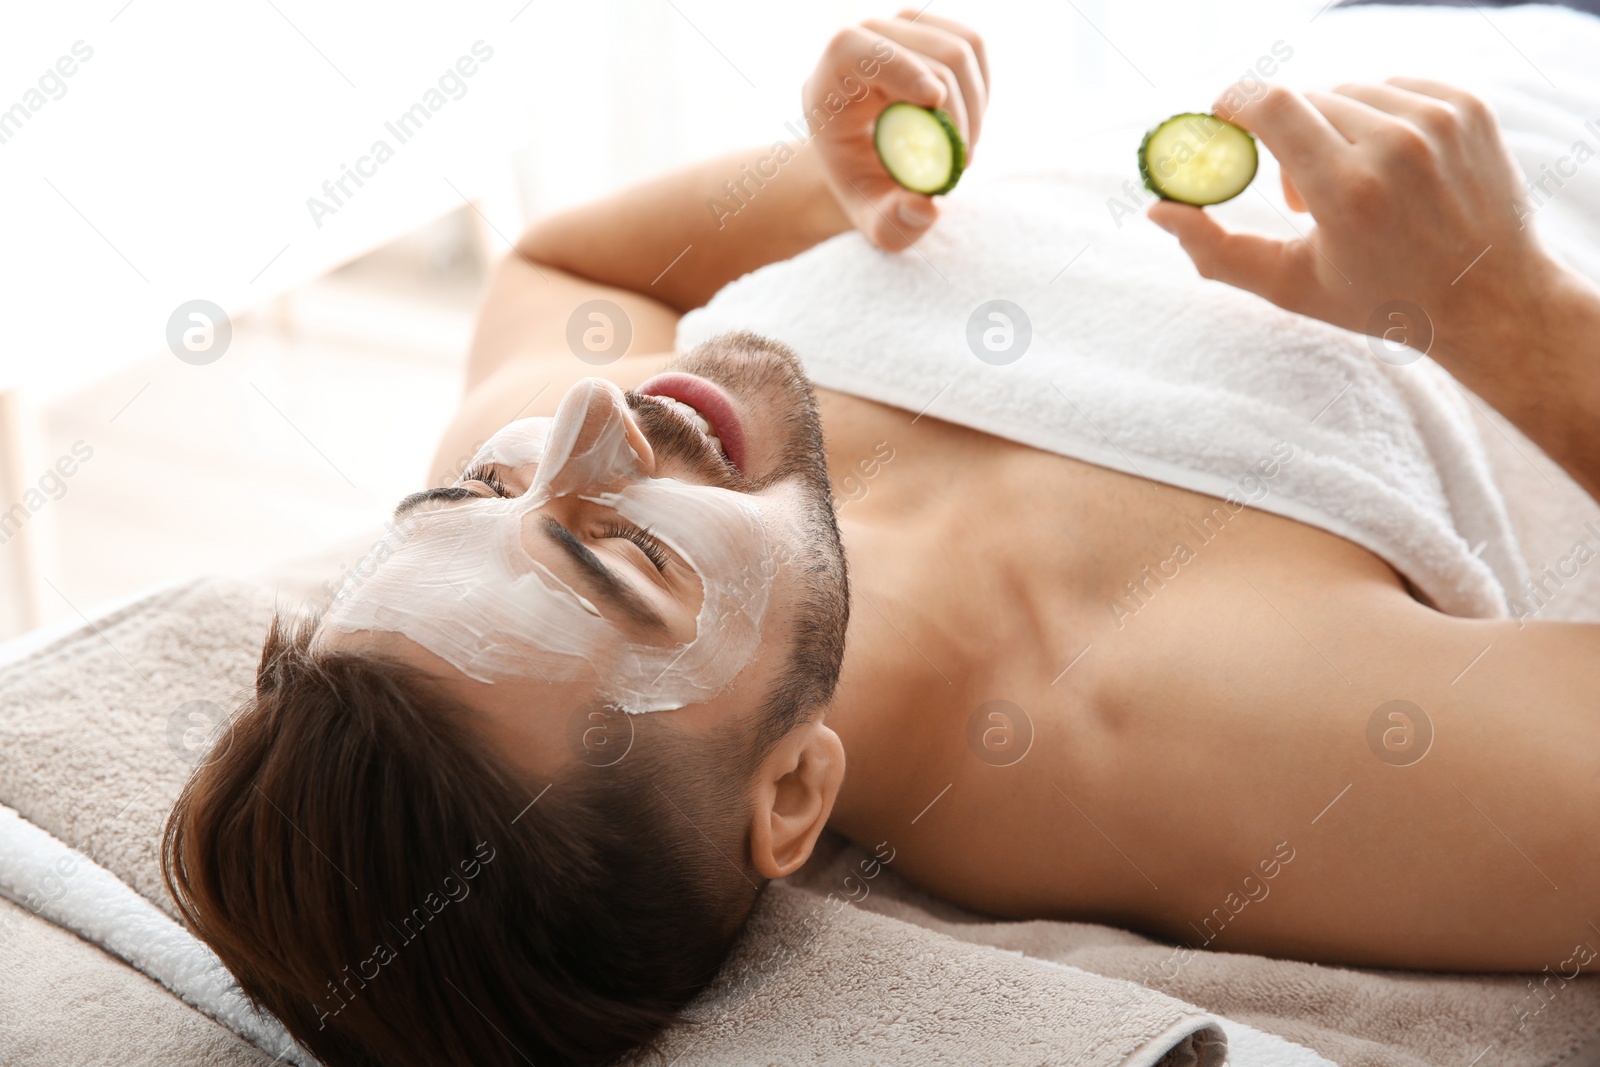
{"points": [[415, 500], [605, 582]]}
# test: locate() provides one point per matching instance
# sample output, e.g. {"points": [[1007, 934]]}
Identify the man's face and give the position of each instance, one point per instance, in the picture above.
{"points": [[619, 555]]}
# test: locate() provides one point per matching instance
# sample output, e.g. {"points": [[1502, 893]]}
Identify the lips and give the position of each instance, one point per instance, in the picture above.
{"points": [[710, 401]]}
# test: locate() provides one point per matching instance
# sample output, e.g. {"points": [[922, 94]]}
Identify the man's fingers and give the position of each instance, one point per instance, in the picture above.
{"points": [[1291, 195], [896, 219], [1296, 133], [955, 102], [1354, 119], [903, 77], [1266, 266], [1471, 107], [941, 46], [1427, 113], [966, 33]]}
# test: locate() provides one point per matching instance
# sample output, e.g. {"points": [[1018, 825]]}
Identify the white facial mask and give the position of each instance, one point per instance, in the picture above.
{"points": [[459, 582]]}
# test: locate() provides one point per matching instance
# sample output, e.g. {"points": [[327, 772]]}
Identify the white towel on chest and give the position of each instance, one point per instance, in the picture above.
{"points": [[1136, 364]]}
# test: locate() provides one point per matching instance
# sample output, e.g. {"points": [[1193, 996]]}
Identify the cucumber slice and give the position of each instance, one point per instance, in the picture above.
{"points": [[920, 148], [1197, 159]]}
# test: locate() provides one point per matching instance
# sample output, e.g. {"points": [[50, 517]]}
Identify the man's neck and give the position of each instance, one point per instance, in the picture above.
{"points": [[908, 652]]}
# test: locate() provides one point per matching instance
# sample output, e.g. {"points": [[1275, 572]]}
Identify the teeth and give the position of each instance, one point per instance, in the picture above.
{"points": [[699, 420]]}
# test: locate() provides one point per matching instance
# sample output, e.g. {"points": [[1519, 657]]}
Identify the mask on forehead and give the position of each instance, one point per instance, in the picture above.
{"points": [[459, 582]]}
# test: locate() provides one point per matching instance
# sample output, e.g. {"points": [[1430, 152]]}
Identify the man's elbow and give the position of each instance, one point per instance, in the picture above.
{"points": [[539, 244]]}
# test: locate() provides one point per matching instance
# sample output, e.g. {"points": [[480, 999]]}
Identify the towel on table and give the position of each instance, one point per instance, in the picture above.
{"points": [[66, 1003], [85, 755], [42, 873], [91, 751]]}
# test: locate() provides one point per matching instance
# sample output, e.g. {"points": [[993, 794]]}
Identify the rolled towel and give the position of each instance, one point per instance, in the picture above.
{"points": [[55, 881]]}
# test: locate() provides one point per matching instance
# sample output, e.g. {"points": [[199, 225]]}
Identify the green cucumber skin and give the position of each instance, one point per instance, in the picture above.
{"points": [[958, 154], [1144, 163], [958, 151]]}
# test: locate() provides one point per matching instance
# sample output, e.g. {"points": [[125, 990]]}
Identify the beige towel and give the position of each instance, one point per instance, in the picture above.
{"points": [[815, 981], [84, 753], [87, 751], [1398, 1018], [65, 1002]]}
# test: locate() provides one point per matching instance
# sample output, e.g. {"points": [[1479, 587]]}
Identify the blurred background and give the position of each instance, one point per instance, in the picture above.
{"points": [[176, 161]]}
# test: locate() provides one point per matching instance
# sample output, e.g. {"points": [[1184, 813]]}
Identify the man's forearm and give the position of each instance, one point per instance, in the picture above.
{"points": [[1539, 366], [681, 237]]}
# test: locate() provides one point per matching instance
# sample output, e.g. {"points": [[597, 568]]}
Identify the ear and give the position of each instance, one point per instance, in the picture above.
{"points": [[795, 788]]}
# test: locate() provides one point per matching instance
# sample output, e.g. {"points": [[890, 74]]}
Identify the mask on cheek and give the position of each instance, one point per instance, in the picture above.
{"points": [[459, 582]]}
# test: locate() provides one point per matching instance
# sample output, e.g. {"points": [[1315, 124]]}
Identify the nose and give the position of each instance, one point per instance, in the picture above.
{"points": [[594, 440], [646, 456], [609, 402]]}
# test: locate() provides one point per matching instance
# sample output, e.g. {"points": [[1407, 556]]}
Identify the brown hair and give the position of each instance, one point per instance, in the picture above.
{"points": [[375, 877]]}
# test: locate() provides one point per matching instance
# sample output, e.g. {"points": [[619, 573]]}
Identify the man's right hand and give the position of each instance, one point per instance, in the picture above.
{"points": [[1421, 236], [1415, 198]]}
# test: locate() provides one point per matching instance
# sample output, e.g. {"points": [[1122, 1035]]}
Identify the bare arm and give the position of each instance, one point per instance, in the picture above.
{"points": [[1419, 208], [1422, 225], [1552, 392], [681, 237], [651, 252], [666, 245]]}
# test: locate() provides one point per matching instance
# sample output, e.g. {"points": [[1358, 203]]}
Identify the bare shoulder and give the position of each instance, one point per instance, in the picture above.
{"points": [[1400, 754], [1283, 752]]}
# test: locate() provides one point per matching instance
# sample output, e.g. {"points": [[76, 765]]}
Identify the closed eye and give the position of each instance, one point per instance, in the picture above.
{"points": [[610, 587], [452, 493], [608, 584], [485, 473], [652, 548], [647, 544]]}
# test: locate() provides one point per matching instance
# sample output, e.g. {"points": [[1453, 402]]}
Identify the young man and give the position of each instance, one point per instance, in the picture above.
{"points": [[517, 792]]}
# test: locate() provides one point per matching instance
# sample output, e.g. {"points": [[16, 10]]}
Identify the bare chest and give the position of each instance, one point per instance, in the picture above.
{"points": [[1030, 635]]}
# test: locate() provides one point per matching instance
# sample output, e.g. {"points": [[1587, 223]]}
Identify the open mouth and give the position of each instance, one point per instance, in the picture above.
{"points": [[700, 422], [705, 406]]}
